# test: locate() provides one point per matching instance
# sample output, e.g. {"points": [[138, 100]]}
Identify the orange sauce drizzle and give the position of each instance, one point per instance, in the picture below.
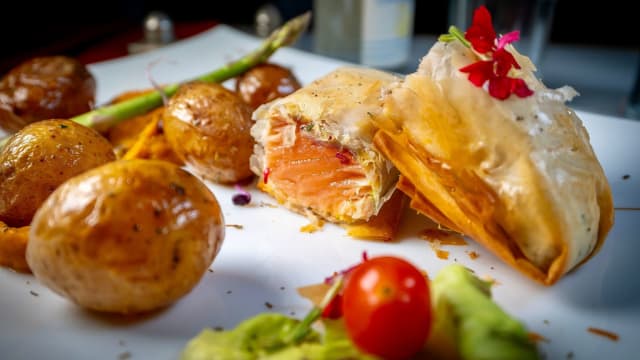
{"points": [[439, 237], [442, 237], [535, 337], [441, 254], [601, 332], [313, 226]]}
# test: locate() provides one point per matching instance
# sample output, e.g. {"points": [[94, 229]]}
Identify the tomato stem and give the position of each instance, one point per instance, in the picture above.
{"points": [[302, 329]]}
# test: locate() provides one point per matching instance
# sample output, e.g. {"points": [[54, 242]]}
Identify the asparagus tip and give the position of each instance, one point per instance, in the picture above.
{"points": [[291, 31]]}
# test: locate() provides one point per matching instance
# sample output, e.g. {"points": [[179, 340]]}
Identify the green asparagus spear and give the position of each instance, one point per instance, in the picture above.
{"points": [[107, 116]]}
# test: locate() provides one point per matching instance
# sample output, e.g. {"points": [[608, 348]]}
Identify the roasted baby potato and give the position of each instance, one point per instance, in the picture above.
{"points": [[47, 87], [264, 83], [208, 127], [127, 237], [40, 157]]}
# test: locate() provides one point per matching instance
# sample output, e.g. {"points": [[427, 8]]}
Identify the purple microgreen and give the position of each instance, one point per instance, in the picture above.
{"points": [[242, 197]]}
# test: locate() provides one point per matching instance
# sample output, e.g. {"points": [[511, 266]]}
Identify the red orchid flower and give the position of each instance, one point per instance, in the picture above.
{"points": [[482, 37]]}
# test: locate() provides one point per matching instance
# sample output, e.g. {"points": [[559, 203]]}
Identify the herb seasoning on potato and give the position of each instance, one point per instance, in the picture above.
{"points": [[42, 156], [127, 237]]}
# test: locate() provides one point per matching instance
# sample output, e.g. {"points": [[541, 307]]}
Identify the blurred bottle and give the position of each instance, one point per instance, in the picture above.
{"points": [[375, 33], [633, 105]]}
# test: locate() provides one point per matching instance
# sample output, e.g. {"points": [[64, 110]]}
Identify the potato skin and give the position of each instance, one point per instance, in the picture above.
{"points": [[42, 156], [264, 83], [127, 237], [46, 87], [208, 127]]}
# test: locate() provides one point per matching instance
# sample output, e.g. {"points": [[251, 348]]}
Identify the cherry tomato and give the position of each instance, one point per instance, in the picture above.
{"points": [[334, 309], [387, 307]]}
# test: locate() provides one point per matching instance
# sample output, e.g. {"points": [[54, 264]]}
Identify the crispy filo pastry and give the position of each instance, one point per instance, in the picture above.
{"points": [[314, 149], [517, 175]]}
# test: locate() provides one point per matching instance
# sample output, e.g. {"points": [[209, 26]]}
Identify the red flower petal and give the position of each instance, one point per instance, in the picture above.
{"points": [[504, 62], [482, 37], [481, 34], [500, 87], [508, 38], [520, 88], [479, 72]]}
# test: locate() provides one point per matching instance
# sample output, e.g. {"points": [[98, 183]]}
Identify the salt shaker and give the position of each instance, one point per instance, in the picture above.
{"points": [[267, 19], [158, 31]]}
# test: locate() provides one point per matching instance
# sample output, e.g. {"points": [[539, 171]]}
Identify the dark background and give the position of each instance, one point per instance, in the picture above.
{"points": [[74, 28]]}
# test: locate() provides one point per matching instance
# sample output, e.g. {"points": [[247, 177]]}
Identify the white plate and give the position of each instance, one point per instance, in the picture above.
{"points": [[267, 259]]}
